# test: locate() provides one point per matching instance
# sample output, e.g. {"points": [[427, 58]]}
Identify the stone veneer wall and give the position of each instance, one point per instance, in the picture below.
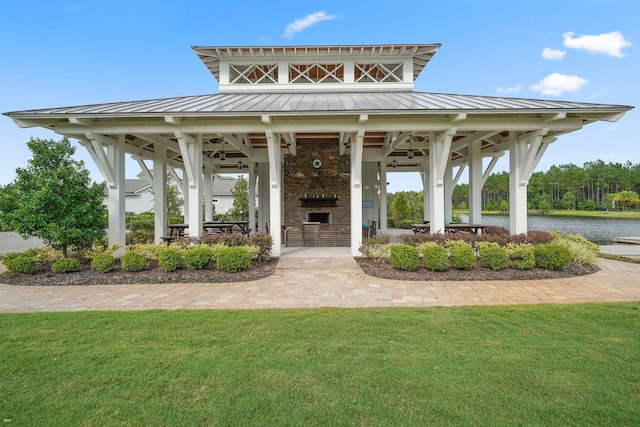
{"points": [[312, 181]]}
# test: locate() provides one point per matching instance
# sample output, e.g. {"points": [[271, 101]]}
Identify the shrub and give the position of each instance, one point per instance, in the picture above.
{"points": [[134, 261], [66, 265], [263, 241], [149, 250], [198, 257], [434, 257], [233, 259], [494, 257], [47, 254], [103, 262], [521, 256], [461, 254], [552, 256], [21, 263], [405, 257], [171, 259], [582, 250]]}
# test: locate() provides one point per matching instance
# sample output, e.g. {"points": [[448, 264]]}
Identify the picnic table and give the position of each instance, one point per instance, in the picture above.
{"points": [[450, 228], [175, 231], [226, 226]]}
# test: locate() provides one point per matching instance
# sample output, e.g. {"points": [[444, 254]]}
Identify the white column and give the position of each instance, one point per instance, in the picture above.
{"points": [[356, 193], [252, 196], [383, 196], [159, 190], [475, 182], [439, 156], [195, 186], [208, 192], [263, 196], [275, 188], [369, 192], [116, 196], [448, 192], [517, 186], [425, 191], [184, 187]]}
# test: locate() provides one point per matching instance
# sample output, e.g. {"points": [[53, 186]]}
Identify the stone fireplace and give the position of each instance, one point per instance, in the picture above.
{"points": [[321, 217]]}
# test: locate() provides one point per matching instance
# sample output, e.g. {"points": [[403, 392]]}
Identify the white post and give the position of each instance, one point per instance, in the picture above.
{"points": [[383, 196], [356, 193], [475, 182], [425, 191], [159, 190], [195, 186], [448, 192], [517, 185], [116, 196], [439, 156], [252, 196], [275, 188], [208, 192]]}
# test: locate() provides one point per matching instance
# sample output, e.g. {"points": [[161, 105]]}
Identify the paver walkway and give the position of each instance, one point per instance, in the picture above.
{"points": [[327, 282]]}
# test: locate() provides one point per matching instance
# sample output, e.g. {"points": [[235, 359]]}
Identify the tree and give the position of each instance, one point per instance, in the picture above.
{"points": [[240, 208], [401, 208], [174, 201], [53, 198], [626, 198]]}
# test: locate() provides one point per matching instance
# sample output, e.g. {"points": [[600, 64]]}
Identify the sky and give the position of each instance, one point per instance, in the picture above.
{"points": [[57, 53]]}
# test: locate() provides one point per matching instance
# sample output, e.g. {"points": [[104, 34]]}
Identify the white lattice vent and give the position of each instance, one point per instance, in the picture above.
{"points": [[253, 74], [316, 73], [378, 72]]}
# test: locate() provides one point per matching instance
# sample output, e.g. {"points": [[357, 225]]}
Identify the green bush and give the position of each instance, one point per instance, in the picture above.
{"points": [[552, 256], [233, 259], [494, 257], [134, 261], [199, 257], [435, 257], [66, 265], [405, 257], [461, 254], [21, 263], [103, 262], [521, 256], [171, 259]]}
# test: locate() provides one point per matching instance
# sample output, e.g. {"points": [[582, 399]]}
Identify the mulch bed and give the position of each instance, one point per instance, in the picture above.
{"points": [[86, 276], [385, 271]]}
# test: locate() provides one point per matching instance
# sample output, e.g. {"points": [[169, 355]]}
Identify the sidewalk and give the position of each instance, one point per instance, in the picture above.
{"points": [[327, 282]]}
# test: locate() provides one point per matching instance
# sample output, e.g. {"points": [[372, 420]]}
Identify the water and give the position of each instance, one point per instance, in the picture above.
{"points": [[598, 230]]}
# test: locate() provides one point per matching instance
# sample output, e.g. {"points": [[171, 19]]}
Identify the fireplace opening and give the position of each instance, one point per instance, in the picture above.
{"points": [[322, 217]]}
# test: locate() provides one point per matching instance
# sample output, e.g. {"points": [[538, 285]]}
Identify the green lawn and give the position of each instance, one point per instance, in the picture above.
{"points": [[503, 365]]}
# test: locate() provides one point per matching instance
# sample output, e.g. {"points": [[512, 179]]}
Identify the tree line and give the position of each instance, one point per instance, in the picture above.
{"points": [[595, 185]]}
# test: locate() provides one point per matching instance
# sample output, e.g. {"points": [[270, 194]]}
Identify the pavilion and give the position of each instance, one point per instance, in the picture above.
{"points": [[318, 128]]}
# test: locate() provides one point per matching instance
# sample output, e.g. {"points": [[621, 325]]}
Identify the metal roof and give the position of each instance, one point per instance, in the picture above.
{"points": [[333, 102]]}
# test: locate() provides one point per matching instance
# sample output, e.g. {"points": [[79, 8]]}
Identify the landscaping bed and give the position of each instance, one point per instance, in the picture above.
{"points": [[384, 270], [86, 276]]}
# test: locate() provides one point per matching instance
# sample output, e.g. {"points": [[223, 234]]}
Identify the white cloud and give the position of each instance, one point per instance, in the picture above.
{"points": [[304, 23], [606, 44], [557, 84], [552, 54], [510, 89]]}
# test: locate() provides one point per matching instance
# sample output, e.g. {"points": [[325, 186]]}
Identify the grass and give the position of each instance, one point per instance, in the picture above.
{"points": [[620, 258], [502, 365]]}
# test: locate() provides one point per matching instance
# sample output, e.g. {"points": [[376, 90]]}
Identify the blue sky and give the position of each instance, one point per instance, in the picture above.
{"points": [[61, 53]]}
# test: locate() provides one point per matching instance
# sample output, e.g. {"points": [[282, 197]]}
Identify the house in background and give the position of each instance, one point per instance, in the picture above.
{"points": [[139, 196]]}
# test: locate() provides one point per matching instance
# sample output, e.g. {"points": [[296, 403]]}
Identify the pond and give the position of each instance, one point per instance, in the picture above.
{"points": [[598, 230]]}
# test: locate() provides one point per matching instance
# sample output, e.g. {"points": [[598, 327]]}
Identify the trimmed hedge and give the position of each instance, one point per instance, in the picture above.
{"points": [[552, 256], [405, 257], [134, 261], [66, 265], [435, 257], [521, 256], [494, 257], [171, 259], [21, 263], [103, 262], [199, 257], [233, 259], [461, 254]]}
